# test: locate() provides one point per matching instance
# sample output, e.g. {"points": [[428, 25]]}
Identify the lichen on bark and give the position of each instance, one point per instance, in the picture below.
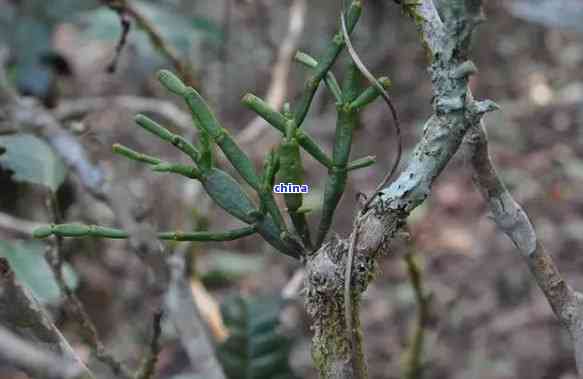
{"points": [[335, 354]]}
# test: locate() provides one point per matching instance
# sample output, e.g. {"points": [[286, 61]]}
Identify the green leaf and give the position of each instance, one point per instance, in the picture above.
{"points": [[27, 261], [32, 161], [255, 348]]}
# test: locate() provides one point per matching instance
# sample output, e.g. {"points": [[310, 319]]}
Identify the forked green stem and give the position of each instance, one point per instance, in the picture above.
{"points": [[324, 64], [329, 79]]}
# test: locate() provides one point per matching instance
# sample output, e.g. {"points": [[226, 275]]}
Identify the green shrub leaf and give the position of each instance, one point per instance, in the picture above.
{"points": [[26, 259], [32, 161], [255, 349]]}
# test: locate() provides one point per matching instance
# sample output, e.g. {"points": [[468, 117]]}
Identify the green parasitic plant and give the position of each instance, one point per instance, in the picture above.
{"points": [[283, 164], [260, 211]]}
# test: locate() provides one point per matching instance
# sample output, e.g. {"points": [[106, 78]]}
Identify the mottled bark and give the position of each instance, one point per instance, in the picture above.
{"points": [[445, 33]]}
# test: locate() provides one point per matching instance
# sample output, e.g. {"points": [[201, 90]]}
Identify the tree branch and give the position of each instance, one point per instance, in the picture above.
{"points": [[185, 316], [18, 225], [77, 107], [24, 316], [510, 218], [445, 33], [455, 111], [429, 25], [35, 360]]}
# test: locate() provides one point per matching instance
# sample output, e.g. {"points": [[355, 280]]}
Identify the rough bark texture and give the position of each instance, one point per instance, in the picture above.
{"points": [[331, 349], [445, 33], [445, 28]]}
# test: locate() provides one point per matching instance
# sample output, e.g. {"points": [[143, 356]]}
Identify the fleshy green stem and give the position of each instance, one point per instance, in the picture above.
{"points": [[270, 168], [229, 235], [370, 94], [208, 123], [225, 191], [346, 123], [278, 121], [291, 171], [78, 230], [134, 155], [184, 170], [228, 194], [81, 230], [329, 79], [206, 151], [363, 162], [166, 135], [324, 64], [157, 164]]}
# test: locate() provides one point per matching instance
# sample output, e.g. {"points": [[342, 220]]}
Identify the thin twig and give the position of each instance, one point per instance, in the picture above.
{"points": [[17, 225], [125, 30], [73, 108], [148, 368], [374, 81], [54, 258], [413, 364], [125, 7]]}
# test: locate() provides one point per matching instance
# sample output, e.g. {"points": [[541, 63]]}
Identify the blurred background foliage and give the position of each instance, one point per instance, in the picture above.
{"points": [[488, 322]]}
